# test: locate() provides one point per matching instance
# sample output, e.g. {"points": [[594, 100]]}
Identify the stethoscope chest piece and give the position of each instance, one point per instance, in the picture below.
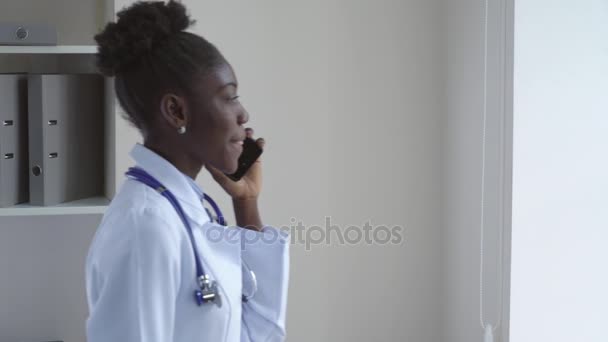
{"points": [[208, 292]]}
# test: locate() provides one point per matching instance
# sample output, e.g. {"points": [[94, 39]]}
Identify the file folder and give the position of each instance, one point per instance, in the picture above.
{"points": [[13, 140], [66, 137]]}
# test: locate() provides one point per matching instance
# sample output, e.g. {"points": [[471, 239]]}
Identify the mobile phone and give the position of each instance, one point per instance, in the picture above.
{"points": [[251, 153]]}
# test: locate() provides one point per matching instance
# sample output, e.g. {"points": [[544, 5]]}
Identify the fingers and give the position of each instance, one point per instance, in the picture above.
{"points": [[255, 172], [261, 142]]}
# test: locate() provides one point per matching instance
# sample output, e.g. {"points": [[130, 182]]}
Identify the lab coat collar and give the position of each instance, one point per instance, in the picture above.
{"points": [[173, 180]]}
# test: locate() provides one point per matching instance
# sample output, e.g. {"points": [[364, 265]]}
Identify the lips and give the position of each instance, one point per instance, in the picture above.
{"points": [[237, 143], [239, 139]]}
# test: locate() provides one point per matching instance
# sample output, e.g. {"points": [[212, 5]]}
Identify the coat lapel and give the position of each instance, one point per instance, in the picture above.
{"points": [[219, 247], [220, 250]]}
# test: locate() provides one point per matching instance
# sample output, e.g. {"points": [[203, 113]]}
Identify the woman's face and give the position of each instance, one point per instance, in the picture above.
{"points": [[215, 132]]}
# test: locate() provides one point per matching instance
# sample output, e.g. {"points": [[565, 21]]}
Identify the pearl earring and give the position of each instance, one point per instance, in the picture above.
{"points": [[181, 130]]}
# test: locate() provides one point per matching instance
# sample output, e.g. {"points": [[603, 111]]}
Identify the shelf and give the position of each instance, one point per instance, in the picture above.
{"points": [[94, 205], [57, 49]]}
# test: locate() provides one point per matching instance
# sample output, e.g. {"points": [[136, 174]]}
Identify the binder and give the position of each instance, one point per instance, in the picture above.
{"points": [[66, 137], [13, 140]]}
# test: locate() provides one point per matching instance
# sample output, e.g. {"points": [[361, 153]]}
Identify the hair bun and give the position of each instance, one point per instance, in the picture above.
{"points": [[139, 30]]}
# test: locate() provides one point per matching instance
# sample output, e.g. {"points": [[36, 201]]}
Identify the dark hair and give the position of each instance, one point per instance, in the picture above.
{"points": [[149, 53]]}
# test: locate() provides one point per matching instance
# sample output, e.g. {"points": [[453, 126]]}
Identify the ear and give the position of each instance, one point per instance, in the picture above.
{"points": [[174, 110]]}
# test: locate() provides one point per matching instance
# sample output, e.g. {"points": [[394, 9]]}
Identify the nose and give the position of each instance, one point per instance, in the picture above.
{"points": [[243, 117]]}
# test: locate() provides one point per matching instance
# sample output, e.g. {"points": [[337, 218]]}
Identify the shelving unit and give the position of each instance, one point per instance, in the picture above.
{"points": [[42, 249], [94, 205], [75, 54], [65, 59], [52, 50]]}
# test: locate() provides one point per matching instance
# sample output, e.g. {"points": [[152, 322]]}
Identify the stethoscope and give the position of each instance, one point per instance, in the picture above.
{"points": [[208, 289]]}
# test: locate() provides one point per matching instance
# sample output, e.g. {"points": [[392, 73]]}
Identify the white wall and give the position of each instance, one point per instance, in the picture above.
{"points": [[384, 118], [348, 97], [346, 94], [560, 220]]}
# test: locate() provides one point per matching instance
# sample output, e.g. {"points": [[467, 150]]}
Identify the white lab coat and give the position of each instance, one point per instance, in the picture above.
{"points": [[141, 277]]}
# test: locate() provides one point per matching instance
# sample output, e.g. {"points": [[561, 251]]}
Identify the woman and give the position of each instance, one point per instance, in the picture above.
{"points": [[159, 268]]}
